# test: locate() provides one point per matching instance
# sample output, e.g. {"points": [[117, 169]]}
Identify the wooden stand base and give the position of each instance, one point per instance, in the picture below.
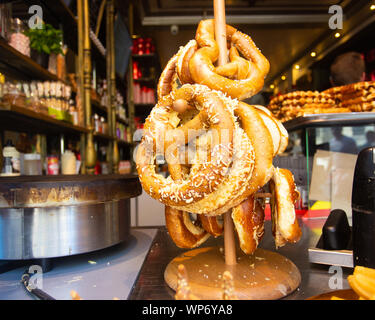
{"points": [[265, 275]]}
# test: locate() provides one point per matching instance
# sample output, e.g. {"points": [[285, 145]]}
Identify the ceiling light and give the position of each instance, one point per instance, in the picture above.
{"points": [[283, 77], [313, 54], [272, 86], [297, 66], [372, 7], [337, 35]]}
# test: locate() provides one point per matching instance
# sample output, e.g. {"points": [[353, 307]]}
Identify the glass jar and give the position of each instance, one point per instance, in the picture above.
{"points": [[32, 164], [18, 40]]}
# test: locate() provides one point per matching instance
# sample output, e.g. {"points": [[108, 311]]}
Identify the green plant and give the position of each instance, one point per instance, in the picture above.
{"points": [[47, 40]]}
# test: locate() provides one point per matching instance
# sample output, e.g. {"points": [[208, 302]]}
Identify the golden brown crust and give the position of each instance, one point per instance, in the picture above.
{"points": [[159, 125], [235, 168], [212, 225], [165, 83], [248, 218], [203, 71], [261, 141], [285, 227], [184, 57], [356, 97], [184, 233]]}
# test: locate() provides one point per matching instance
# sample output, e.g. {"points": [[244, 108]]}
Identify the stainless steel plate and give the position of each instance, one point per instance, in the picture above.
{"points": [[343, 258], [46, 232], [330, 119]]}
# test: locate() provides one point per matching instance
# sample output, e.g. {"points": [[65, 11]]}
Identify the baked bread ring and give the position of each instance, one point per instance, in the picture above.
{"points": [[261, 142], [250, 79], [213, 225], [285, 227], [183, 57], [163, 124], [211, 175], [276, 128], [167, 79], [248, 218], [235, 181], [183, 231]]}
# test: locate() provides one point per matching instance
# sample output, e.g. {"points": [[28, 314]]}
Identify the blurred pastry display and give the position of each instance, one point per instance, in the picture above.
{"points": [[357, 97]]}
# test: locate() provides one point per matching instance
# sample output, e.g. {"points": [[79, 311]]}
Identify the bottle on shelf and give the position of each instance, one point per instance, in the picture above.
{"points": [[143, 46], [11, 160], [96, 123], [52, 165], [68, 163]]}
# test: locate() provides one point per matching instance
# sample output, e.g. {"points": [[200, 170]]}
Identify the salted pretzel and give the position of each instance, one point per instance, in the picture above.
{"points": [[241, 78], [285, 226], [166, 81], [248, 218], [257, 137], [182, 230], [164, 124], [252, 120], [194, 94]]}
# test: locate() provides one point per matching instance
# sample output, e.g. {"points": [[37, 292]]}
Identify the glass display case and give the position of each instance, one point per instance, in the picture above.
{"points": [[322, 154]]}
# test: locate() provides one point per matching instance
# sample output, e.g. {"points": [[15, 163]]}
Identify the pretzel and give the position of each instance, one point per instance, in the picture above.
{"points": [[248, 218], [261, 140], [285, 226], [241, 78], [166, 81], [252, 120], [235, 182], [233, 170], [184, 233], [162, 123]]}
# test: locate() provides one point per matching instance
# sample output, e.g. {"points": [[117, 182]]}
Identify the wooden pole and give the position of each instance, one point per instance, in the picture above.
{"points": [[221, 39]]}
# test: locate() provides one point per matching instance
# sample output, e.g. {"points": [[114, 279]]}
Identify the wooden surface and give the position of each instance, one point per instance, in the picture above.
{"points": [[265, 275], [74, 178], [315, 278], [23, 119], [23, 64]]}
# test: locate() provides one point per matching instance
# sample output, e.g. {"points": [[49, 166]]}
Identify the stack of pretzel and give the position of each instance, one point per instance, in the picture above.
{"points": [[219, 150], [299, 103], [356, 97]]}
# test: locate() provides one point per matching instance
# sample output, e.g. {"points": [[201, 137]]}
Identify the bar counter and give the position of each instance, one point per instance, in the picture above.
{"points": [[316, 278], [134, 270]]}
